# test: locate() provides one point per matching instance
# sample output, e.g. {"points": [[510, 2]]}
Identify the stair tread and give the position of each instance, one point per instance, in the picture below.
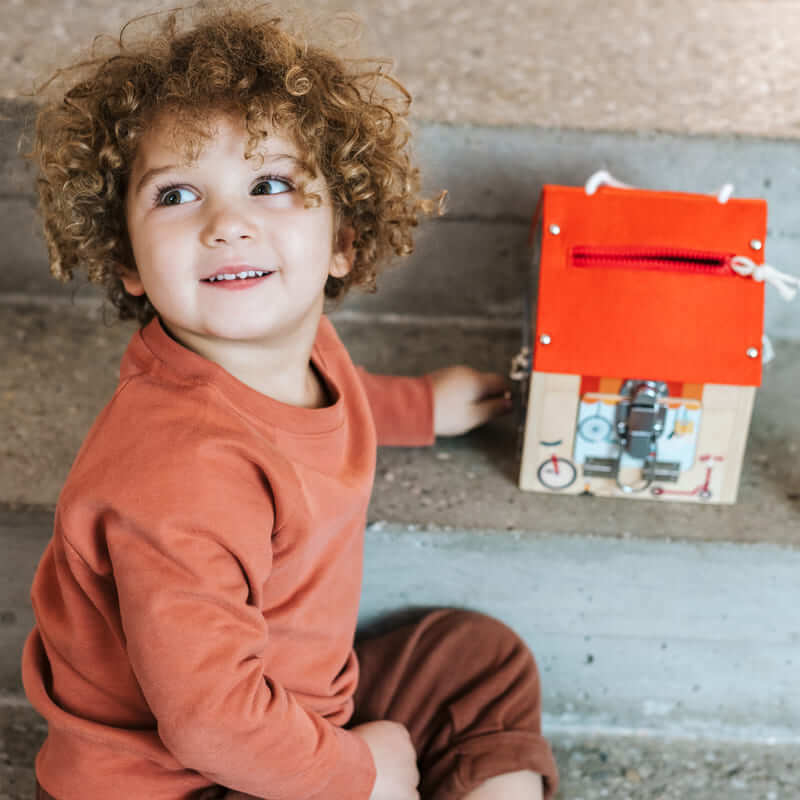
{"points": [[591, 767], [61, 364]]}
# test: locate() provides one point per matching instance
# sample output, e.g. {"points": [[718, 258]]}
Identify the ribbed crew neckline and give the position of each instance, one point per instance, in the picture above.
{"points": [[194, 368]]}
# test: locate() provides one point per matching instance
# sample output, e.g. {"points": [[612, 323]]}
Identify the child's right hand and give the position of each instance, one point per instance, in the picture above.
{"points": [[395, 760]]}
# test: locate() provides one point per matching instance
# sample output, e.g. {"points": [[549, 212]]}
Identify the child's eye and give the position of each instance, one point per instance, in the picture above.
{"points": [[272, 186], [174, 195]]}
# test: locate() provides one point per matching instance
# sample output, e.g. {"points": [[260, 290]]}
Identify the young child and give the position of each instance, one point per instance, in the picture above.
{"points": [[196, 607]]}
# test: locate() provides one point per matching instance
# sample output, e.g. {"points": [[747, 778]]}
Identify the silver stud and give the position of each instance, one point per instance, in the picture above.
{"points": [[756, 244], [752, 352], [554, 229], [545, 338]]}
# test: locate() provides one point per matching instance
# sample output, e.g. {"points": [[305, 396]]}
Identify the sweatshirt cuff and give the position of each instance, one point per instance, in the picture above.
{"points": [[354, 774]]}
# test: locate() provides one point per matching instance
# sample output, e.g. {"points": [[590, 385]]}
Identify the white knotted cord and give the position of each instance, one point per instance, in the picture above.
{"points": [[783, 282], [604, 178]]}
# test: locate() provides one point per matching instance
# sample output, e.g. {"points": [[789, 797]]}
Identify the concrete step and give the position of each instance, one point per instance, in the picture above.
{"points": [[61, 365], [624, 768], [653, 638], [646, 618], [494, 177]]}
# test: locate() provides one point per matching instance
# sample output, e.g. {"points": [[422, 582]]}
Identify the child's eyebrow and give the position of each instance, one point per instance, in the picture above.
{"points": [[150, 174], [296, 162], [272, 157]]}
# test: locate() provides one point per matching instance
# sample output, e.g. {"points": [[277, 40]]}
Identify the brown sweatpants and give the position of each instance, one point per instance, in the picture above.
{"points": [[467, 689]]}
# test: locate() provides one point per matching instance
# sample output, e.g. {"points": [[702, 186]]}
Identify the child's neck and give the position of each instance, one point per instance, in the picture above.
{"points": [[282, 373]]}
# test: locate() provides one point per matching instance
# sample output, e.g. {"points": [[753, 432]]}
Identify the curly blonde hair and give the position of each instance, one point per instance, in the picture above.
{"points": [[348, 119]]}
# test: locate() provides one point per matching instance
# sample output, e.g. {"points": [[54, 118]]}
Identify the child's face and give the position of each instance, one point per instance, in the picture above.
{"points": [[225, 215]]}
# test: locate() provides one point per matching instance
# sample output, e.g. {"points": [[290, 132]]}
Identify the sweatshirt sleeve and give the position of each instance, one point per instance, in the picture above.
{"points": [[402, 408], [198, 645]]}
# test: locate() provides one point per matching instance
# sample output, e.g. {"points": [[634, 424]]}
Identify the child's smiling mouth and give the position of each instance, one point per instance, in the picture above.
{"points": [[240, 279]]}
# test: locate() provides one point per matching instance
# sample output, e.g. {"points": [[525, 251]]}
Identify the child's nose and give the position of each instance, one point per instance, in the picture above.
{"points": [[228, 223]]}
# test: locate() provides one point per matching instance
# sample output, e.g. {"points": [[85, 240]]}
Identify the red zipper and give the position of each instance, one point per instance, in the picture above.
{"points": [[670, 259]]}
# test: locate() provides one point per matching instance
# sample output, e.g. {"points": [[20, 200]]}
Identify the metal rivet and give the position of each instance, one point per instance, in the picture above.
{"points": [[545, 339], [554, 229], [756, 244], [752, 352]]}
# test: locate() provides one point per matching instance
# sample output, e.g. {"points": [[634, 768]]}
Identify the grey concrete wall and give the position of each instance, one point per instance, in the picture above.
{"points": [[690, 66]]}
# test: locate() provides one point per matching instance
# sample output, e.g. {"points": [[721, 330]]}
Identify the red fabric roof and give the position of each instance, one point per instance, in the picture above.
{"points": [[656, 306]]}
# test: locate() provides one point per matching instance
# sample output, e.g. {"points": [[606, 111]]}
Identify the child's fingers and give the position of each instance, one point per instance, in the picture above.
{"points": [[492, 384], [493, 407]]}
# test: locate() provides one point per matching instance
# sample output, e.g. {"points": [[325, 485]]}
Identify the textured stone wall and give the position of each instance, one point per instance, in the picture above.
{"points": [[688, 66]]}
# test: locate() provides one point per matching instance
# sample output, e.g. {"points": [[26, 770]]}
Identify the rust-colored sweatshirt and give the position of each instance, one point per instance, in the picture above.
{"points": [[196, 607]]}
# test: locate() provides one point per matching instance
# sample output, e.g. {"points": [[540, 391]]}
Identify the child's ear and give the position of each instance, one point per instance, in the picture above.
{"points": [[344, 253], [131, 281]]}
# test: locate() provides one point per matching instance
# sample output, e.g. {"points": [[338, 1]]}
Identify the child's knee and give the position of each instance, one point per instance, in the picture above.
{"points": [[474, 631]]}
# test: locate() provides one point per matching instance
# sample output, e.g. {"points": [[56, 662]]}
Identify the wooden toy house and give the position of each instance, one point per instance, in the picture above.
{"points": [[645, 344]]}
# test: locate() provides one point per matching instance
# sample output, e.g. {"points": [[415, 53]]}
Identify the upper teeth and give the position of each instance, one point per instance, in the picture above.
{"points": [[232, 276]]}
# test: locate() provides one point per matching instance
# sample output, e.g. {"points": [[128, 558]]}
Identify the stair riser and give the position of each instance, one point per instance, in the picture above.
{"points": [[493, 176]]}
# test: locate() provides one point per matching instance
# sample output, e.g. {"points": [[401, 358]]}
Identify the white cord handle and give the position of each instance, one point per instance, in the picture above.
{"points": [[604, 178], [783, 282]]}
